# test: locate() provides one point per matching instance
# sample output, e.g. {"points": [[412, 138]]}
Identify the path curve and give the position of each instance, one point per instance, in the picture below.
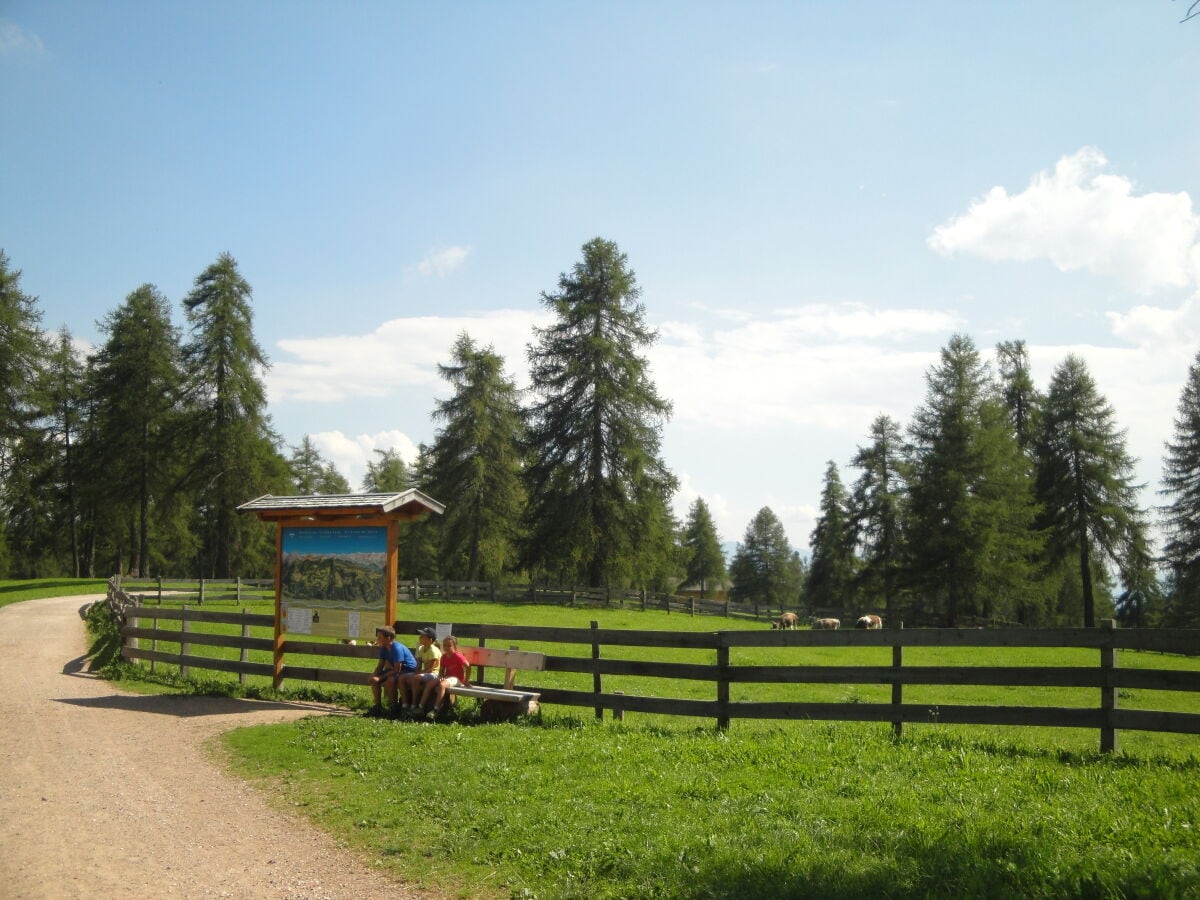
{"points": [[107, 793]]}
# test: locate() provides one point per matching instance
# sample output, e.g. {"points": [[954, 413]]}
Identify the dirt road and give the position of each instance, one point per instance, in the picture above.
{"points": [[105, 793]]}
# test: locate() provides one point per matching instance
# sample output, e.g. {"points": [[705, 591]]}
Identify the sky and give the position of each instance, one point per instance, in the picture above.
{"points": [[814, 198]]}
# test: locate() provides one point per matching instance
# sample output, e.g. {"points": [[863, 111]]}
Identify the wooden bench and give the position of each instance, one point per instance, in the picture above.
{"points": [[502, 702]]}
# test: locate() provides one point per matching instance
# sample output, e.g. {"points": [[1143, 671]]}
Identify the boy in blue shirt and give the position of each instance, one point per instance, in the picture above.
{"points": [[394, 660]]}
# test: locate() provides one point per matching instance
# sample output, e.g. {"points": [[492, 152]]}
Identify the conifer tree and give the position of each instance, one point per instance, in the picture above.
{"points": [[972, 544], [831, 570], [386, 475], [1020, 395], [1089, 500], [228, 401], [137, 382], [765, 568], [705, 561], [877, 513], [313, 474], [475, 465], [598, 490], [1181, 515]]}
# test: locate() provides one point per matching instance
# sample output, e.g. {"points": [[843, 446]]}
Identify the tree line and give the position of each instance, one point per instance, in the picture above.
{"points": [[997, 500]]}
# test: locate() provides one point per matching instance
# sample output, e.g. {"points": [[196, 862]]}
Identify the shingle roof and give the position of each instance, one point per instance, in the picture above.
{"points": [[348, 504]]}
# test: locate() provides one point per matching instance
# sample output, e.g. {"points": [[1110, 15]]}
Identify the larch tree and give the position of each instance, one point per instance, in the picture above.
{"points": [[138, 380], [1180, 517], [312, 473], [877, 513], [1089, 502], [598, 490], [831, 569], [1021, 397], [22, 351], [972, 545], [225, 367], [475, 464], [387, 474], [705, 560]]}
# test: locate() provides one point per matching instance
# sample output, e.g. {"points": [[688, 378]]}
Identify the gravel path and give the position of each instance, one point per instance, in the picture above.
{"points": [[110, 794]]}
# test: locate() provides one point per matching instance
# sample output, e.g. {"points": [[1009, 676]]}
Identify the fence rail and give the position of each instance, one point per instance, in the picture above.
{"points": [[147, 623]]}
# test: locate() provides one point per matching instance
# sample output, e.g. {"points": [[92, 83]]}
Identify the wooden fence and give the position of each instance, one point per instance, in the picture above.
{"points": [[147, 624]]}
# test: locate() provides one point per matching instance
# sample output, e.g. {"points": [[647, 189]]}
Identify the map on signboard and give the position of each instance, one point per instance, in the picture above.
{"points": [[339, 567]]}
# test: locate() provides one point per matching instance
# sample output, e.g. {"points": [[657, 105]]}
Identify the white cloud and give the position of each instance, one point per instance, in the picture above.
{"points": [[14, 39], [820, 365], [1080, 218], [399, 353], [443, 262], [350, 455]]}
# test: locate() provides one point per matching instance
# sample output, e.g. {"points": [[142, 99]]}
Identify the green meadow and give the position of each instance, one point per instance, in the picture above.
{"points": [[564, 805]]}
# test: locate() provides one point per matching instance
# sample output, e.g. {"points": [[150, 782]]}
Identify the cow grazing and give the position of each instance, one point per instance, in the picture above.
{"points": [[826, 624], [789, 621], [873, 623]]}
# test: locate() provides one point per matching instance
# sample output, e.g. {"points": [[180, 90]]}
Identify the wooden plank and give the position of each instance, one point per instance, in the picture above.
{"points": [[1014, 676], [924, 637], [1185, 641], [485, 693], [641, 667], [505, 659], [203, 615], [325, 676], [200, 662], [608, 636], [1068, 717], [320, 648], [1157, 679], [235, 641], [1156, 720], [707, 709]]}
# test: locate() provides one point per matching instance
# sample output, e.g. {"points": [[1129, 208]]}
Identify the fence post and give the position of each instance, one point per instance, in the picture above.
{"points": [[200, 602], [693, 607], [185, 626], [154, 641], [160, 590], [239, 590], [597, 686], [722, 682], [479, 670], [897, 686], [1108, 693], [492, 591], [245, 656], [618, 711], [416, 590]]}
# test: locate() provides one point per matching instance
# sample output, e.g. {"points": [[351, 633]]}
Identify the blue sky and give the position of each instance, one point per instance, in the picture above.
{"points": [[814, 196]]}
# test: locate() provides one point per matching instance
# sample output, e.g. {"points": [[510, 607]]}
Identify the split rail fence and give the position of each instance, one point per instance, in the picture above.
{"points": [[146, 627]]}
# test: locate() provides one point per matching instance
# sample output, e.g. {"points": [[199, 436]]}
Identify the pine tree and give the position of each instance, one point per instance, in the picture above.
{"points": [[764, 567], [831, 570], [1090, 511], [598, 490], [224, 368], [705, 561], [475, 465], [1181, 516], [877, 514], [971, 540]]}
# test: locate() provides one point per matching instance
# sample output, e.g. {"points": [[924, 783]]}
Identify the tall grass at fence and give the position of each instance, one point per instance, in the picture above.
{"points": [[568, 808], [1070, 739]]}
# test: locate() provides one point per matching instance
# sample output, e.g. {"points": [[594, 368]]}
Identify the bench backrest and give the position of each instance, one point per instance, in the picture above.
{"points": [[509, 660]]}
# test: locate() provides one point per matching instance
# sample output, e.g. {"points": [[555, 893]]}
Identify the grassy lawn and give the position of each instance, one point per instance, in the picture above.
{"points": [[17, 591], [569, 808], [668, 807]]}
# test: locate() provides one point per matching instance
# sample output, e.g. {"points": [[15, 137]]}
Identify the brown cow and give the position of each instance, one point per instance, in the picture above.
{"points": [[871, 622], [826, 624], [789, 621]]}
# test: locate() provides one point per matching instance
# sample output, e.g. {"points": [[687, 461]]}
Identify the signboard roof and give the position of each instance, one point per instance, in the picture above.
{"points": [[406, 503]]}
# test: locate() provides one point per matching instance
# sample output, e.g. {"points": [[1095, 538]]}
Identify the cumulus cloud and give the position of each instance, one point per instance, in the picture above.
{"points": [[820, 365], [1081, 218], [350, 455], [443, 262], [14, 39], [399, 353]]}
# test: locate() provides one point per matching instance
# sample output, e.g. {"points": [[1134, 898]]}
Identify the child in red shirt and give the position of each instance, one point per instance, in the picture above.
{"points": [[452, 670]]}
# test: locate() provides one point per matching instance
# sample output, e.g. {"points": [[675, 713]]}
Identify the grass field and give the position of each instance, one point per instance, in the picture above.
{"points": [[656, 807], [16, 591]]}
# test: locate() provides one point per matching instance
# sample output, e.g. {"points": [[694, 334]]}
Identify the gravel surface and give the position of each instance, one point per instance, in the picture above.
{"points": [[110, 794]]}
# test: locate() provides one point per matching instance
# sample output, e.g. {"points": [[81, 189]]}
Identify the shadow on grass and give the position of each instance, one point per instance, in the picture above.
{"points": [[190, 706]]}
